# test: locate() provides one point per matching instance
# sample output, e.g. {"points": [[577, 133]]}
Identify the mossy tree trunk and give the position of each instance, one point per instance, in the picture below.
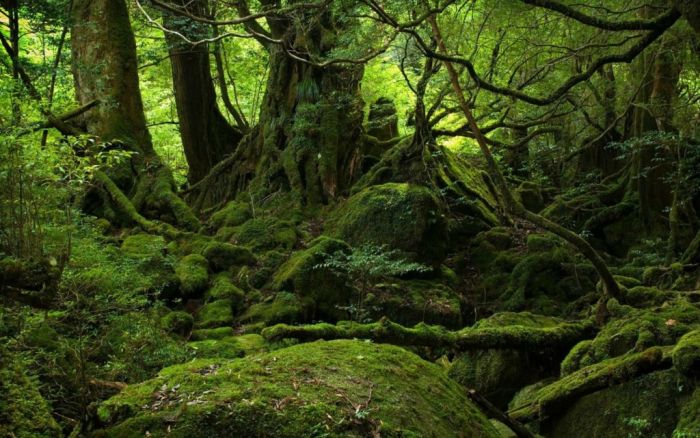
{"points": [[105, 69], [207, 137]]}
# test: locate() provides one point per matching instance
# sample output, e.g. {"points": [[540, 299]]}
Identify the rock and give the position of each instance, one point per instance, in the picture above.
{"points": [[179, 323], [338, 388], [222, 256], [193, 274], [215, 314], [403, 217]]}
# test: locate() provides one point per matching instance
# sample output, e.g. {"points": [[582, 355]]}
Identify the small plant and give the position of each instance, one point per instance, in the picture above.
{"points": [[365, 267]]}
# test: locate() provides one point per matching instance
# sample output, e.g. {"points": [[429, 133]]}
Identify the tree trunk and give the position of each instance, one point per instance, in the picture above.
{"points": [[206, 135], [105, 69]]}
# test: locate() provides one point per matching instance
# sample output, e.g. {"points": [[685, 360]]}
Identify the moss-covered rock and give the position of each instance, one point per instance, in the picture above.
{"points": [[222, 288], [222, 256], [689, 422], [267, 233], [143, 245], [233, 214], [317, 388], [686, 354], [179, 323], [215, 314], [648, 406], [284, 307], [193, 273], [320, 289], [23, 411], [403, 217], [225, 348], [215, 333], [499, 374], [409, 302], [634, 330]]}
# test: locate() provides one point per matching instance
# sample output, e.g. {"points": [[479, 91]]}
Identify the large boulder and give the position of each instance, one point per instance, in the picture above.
{"points": [[340, 388], [402, 216]]}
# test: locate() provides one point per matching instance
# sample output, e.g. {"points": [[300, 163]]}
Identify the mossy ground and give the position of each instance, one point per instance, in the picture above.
{"points": [[338, 388]]}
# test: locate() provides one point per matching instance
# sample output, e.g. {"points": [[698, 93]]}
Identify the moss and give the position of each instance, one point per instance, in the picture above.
{"points": [[320, 289], [222, 256], [689, 422], [530, 195], [686, 354], [223, 289], [634, 330], [192, 272], [283, 308], [215, 314], [645, 296], [499, 373], [318, 388], [267, 233], [233, 214], [648, 406], [215, 333], [226, 348], [409, 302], [23, 411], [143, 245], [542, 242], [404, 217], [179, 323]]}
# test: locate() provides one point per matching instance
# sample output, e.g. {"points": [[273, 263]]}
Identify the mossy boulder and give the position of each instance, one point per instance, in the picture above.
{"points": [[215, 314], [648, 406], [225, 348], [530, 195], [499, 374], [263, 234], [686, 354], [320, 388], [222, 288], [320, 289], [402, 216], [634, 330], [689, 422], [222, 256], [23, 411], [192, 271], [178, 322], [284, 307], [144, 245], [214, 333], [233, 214]]}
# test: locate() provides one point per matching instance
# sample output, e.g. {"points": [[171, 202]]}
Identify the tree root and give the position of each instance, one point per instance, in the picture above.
{"points": [[565, 335], [557, 396]]}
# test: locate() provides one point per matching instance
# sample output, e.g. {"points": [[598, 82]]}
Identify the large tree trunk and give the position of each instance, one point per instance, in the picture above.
{"points": [[105, 69], [207, 137]]}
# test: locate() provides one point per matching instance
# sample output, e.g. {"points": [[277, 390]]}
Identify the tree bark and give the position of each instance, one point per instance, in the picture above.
{"points": [[105, 70], [207, 137]]}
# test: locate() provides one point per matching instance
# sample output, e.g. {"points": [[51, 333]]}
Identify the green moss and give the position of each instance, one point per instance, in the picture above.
{"points": [[283, 308], [215, 333], [409, 302], [689, 423], [404, 217], [499, 373], [143, 245], [530, 195], [648, 406], [23, 411], [222, 256], [233, 214], [223, 289], [686, 354], [308, 389], [179, 323], [226, 348], [634, 330], [192, 272], [266, 233], [320, 289], [215, 314], [542, 242]]}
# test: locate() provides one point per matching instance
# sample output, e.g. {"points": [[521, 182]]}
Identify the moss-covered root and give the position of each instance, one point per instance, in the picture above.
{"points": [[562, 393], [512, 337], [331, 389], [686, 354]]}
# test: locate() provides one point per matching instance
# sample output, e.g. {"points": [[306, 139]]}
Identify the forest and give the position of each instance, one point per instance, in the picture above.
{"points": [[350, 218]]}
